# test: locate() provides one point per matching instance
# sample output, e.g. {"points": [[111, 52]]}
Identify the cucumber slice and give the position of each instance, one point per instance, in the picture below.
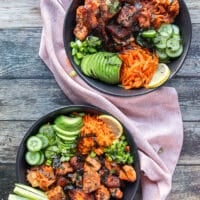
{"points": [[162, 42], [174, 54], [41, 158], [166, 30], [173, 43], [33, 158], [176, 29], [66, 133], [34, 143], [16, 197], [47, 130], [44, 140], [161, 54], [29, 192]]}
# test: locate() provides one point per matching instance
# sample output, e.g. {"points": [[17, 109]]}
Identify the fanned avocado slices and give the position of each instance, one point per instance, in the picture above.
{"points": [[69, 123], [104, 66]]}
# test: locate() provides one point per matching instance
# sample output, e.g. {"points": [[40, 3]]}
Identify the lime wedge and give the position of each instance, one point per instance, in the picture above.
{"points": [[113, 123], [161, 76]]}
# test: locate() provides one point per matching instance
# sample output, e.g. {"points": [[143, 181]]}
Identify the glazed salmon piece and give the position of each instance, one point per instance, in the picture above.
{"points": [[56, 193], [127, 173], [64, 169], [102, 193], [91, 164], [116, 193], [91, 181], [112, 166], [80, 195], [41, 176], [76, 162], [112, 181]]}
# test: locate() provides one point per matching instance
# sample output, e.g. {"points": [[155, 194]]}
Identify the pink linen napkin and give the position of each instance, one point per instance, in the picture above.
{"points": [[153, 119]]}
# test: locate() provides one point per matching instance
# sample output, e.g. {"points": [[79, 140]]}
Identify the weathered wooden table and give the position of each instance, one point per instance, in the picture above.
{"points": [[28, 90]]}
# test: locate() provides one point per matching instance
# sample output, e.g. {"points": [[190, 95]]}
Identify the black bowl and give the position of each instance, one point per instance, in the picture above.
{"points": [[182, 20], [21, 165]]}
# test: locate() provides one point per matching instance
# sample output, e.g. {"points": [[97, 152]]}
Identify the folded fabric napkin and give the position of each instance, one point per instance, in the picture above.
{"points": [[153, 119]]}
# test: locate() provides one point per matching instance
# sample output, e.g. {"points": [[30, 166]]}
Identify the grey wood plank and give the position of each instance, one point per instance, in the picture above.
{"points": [[20, 13], [191, 146], [28, 97], [19, 55], [22, 99], [8, 178], [188, 91], [12, 132], [186, 182]]}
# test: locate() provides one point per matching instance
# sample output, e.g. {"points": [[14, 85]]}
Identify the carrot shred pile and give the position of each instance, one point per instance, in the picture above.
{"points": [[138, 67], [95, 135]]}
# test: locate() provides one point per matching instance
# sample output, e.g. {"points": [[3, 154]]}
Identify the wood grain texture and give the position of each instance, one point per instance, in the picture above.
{"points": [[28, 96], [19, 13], [19, 54], [23, 99], [185, 183]]}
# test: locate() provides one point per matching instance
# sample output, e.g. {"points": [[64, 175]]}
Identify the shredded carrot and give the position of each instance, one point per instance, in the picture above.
{"points": [[138, 67], [95, 135]]}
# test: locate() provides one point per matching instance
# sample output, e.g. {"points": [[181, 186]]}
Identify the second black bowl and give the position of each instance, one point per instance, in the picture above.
{"points": [[21, 165], [182, 20]]}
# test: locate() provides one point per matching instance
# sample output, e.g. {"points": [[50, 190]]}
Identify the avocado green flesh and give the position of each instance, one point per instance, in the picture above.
{"points": [[84, 66], [66, 133], [69, 123], [66, 138], [90, 67], [104, 66], [94, 60]]}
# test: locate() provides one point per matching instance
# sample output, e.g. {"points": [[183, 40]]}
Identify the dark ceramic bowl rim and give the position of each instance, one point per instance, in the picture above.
{"points": [[103, 89], [68, 109]]}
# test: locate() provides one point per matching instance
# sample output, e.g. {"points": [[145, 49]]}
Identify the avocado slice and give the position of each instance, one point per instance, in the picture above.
{"points": [[69, 123], [110, 69], [98, 65], [104, 66], [90, 65], [67, 138], [66, 133], [84, 64]]}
